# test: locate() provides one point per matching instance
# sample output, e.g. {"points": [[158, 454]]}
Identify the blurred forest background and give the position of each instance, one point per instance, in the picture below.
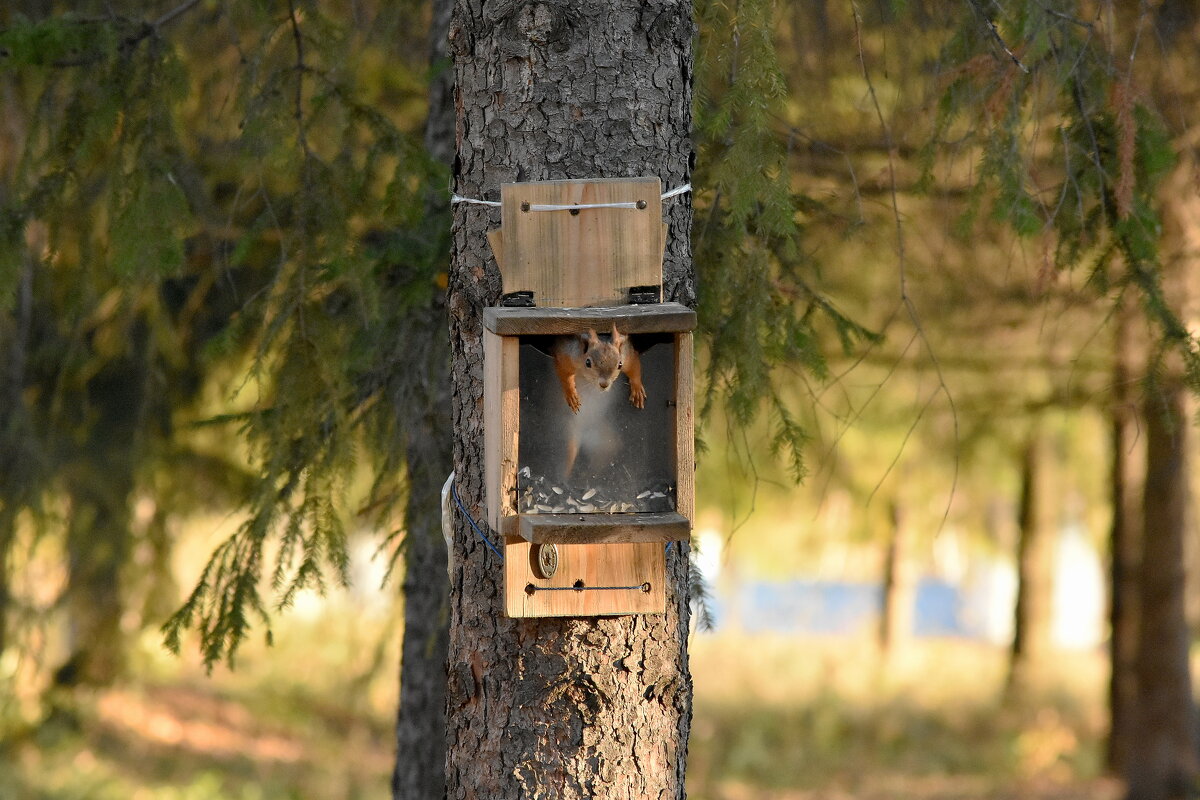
{"points": [[962, 317]]}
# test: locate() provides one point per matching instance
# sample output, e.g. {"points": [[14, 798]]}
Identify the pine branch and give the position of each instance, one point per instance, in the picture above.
{"points": [[143, 30]]}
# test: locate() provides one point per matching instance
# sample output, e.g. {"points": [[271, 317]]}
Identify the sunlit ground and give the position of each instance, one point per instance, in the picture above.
{"points": [[801, 719], [775, 719]]}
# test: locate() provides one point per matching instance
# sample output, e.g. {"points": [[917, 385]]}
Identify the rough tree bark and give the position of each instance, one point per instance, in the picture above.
{"points": [[560, 708], [420, 768], [1035, 565], [1124, 540]]}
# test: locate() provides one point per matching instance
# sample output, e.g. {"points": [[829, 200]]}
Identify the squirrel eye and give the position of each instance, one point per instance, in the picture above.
{"points": [[588, 363], [620, 364]]}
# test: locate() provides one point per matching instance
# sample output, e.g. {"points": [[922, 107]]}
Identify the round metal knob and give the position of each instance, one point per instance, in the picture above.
{"points": [[545, 560]]}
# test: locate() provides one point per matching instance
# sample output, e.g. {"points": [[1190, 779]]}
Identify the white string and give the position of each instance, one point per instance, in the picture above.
{"points": [[455, 199], [550, 207]]}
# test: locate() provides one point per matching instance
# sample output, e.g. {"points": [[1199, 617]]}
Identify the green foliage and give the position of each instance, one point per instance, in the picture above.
{"points": [[325, 361], [206, 198], [1068, 145], [758, 308], [68, 39]]}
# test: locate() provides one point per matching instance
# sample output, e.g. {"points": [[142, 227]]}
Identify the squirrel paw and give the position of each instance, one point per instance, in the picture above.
{"points": [[573, 401], [637, 396]]}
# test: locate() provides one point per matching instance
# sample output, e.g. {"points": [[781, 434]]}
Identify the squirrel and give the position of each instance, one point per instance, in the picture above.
{"points": [[590, 358]]}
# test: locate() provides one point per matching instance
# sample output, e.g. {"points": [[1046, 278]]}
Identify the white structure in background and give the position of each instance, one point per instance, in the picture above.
{"points": [[709, 554], [366, 596], [1079, 591], [989, 593]]}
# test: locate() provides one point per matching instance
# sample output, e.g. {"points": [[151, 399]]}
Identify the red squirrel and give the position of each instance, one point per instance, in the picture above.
{"points": [[590, 358]]}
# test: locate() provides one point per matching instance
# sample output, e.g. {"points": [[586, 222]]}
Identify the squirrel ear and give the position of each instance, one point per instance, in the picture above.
{"points": [[592, 339], [616, 335]]}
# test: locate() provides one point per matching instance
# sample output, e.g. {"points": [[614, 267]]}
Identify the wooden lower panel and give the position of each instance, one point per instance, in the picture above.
{"points": [[605, 528], [596, 565]]}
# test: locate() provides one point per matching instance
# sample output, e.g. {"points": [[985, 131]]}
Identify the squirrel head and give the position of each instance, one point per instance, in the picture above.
{"points": [[602, 360]]}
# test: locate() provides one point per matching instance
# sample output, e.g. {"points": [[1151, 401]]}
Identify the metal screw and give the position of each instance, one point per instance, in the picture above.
{"points": [[641, 204], [525, 206]]}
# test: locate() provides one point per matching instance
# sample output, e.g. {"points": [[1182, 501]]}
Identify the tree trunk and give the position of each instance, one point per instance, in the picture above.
{"points": [[560, 707], [8, 530], [421, 720], [899, 586], [99, 482], [1162, 762], [420, 768], [1035, 565], [16, 473], [1125, 543], [98, 547], [1162, 759]]}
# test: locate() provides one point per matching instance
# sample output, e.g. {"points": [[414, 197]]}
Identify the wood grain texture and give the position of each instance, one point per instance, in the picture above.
{"points": [[602, 528], [495, 239], [656, 318], [685, 428], [502, 396], [630, 566], [587, 258]]}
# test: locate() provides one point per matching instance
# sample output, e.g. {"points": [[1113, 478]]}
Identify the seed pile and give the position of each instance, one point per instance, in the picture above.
{"points": [[537, 495]]}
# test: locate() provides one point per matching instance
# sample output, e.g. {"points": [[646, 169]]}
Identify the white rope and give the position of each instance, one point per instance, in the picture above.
{"points": [[551, 207], [678, 190], [455, 199]]}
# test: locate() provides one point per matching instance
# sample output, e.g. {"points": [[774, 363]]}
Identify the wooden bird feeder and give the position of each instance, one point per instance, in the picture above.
{"points": [[586, 502]]}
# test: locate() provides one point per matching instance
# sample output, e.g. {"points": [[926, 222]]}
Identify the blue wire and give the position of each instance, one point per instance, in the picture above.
{"points": [[470, 519]]}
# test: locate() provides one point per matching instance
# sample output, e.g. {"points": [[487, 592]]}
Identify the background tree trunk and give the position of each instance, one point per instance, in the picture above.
{"points": [[15, 461], [1125, 541], [421, 720], [98, 545], [560, 708], [899, 586], [1163, 761], [420, 771], [1035, 563], [1162, 755], [99, 482]]}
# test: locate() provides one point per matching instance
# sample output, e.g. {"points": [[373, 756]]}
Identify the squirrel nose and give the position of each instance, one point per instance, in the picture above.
{"points": [[603, 384]]}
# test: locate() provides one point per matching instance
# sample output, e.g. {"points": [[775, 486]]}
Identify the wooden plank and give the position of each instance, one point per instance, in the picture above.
{"points": [[662, 245], [587, 258], [501, 422], [656, 318], [602, 528], [685, 428], [628, 565], [495, 238]]}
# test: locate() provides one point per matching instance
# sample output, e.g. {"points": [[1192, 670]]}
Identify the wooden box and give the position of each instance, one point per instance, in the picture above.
{"points": [[600, 492]]}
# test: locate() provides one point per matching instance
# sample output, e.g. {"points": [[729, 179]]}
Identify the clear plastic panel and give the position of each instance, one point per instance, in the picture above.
{"points": [[611, 456]]}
